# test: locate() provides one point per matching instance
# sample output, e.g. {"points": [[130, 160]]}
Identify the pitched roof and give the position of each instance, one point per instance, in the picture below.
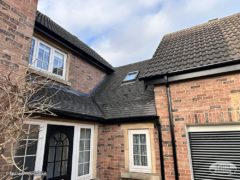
{"points": [[204, 45], [45, 22], [119, 99], [66, 100], [113, 99]]}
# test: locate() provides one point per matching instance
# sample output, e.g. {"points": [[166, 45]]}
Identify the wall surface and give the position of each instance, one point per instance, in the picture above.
{"points": [[17, 19], [206, 101], [113, 151], [82, 75]]}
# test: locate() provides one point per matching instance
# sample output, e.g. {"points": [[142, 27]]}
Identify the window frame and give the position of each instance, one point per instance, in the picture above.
{"points": [[34, 61], [132, 72], [132, 167], [78, 132]]}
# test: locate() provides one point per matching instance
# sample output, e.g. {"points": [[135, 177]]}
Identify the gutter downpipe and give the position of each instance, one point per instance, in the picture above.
{"points": [[160, 149], [171, 123]]}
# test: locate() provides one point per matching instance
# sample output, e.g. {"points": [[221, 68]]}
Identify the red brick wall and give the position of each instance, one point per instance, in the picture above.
{"points": [[110, 155], [212, 100], [82, 75], [17, 19]]}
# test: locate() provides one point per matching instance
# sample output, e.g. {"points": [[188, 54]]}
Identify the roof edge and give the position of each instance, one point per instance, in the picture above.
{"points": [[194, 69], [194, 74]]}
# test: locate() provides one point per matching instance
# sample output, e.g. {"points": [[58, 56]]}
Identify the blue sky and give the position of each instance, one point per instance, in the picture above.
{"points": [[127, 31]]}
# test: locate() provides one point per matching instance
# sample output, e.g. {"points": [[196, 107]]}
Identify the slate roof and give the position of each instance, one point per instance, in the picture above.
{"points": [[64, 99], [113, 99], [204, 45], [49, 24], [119, 99]]}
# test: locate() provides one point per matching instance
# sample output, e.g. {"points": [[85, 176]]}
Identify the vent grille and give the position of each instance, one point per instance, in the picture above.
{"points": [[215, 155]]}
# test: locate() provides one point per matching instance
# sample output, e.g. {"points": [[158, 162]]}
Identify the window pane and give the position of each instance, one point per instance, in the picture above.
{"points": [[87, 156], [87, 144], [51, 154], [58, 63], [34, 131], [50, 170], [86, 168], [81, 157], [143, 150], [136, 139], [65, 153], [20, 148], [136, 159], [131, 76], [30, 163], [144, 160], [19, 161], [81, 145], [80, 170], [31, 147], [83, 132], [64, 168], [88, 133], [57, 169], [31, 51], [43, 57], [59, 151], [143, 138], [136, 149]]}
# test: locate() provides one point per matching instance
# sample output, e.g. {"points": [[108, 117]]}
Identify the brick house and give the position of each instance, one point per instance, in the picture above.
{"points": [[175, 116]]}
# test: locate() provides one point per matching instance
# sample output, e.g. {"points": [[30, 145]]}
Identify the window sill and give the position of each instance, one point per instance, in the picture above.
{"points": [[139, 176], [49, 76]]}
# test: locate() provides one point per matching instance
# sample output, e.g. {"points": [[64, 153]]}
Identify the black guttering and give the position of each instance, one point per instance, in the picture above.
{"points": [[171, 123], [201, 71], [162, 170], [102, 120], [42, 29]]}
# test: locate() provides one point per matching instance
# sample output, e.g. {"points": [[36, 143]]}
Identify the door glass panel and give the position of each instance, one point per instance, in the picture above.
{"points": [[84, 151], [58, 150]]}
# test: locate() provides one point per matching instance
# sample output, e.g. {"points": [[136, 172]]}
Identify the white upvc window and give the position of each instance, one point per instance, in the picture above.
{"points": [[139, 151], [48, 59], [85, 153]]}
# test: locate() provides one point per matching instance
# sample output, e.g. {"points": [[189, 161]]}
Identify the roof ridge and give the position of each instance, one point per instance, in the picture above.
{"points": [[217, 20]]}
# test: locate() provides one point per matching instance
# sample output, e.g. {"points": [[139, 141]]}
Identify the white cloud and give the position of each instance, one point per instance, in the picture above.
{"points": [[124, 31]]}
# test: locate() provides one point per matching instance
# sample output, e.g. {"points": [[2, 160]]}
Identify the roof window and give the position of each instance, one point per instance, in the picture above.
{"points": [[131, 76]]}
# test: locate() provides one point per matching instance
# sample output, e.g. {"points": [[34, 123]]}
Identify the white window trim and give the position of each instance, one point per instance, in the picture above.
{"points": [[90, 175], [76, 140], [51, 59], [132, 167], [214, 128]]}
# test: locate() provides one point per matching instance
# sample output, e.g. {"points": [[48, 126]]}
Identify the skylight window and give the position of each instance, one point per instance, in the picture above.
{"points": [[131, 76]]}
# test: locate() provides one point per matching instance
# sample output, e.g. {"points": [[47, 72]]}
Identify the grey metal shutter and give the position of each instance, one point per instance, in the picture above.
{"points": [[215, 155]]}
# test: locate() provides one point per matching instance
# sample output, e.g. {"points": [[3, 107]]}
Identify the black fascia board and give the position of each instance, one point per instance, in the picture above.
{"points": [[194, 74], [76, 116], [42, 29], [134, 119], [101, 120]]}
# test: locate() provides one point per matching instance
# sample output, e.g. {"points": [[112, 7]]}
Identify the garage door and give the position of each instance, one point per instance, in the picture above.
{"points": [[215, 154]]}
